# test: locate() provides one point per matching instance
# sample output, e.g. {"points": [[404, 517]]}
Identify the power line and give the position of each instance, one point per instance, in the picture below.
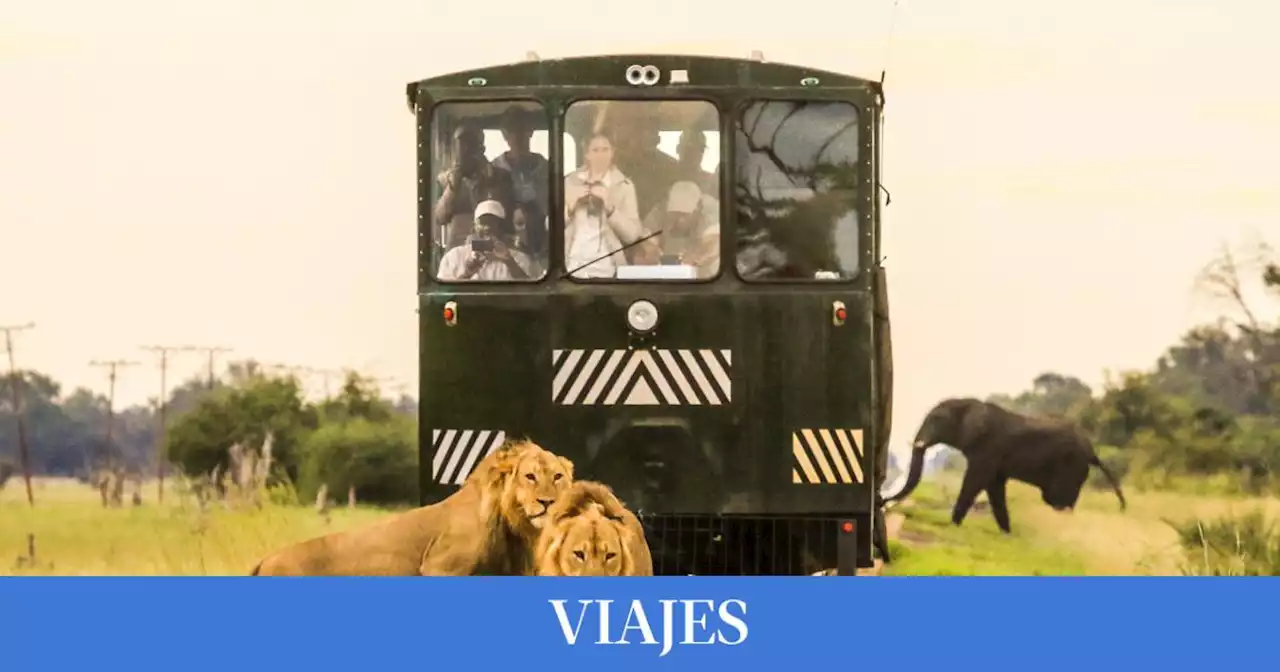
{"points": [[211, 352], [163, 351], [324, 374], [23, 453]]}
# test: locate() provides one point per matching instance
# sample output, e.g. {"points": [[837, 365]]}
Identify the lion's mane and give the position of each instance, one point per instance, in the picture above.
{"points": [[591, 503], [478, 530]]}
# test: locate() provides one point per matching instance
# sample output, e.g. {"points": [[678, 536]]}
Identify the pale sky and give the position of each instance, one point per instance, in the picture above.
{"points": [[242, 174]]}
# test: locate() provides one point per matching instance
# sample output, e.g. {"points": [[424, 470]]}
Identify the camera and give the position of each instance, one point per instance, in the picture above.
{"points": [[594, 204], [482, 245]]}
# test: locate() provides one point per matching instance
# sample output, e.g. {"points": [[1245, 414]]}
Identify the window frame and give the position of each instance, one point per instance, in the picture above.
{"points": [[862, 218], [567, 105], [428, 172]]}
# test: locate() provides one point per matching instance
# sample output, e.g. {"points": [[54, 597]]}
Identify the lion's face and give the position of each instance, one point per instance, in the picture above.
{"points": [[536, 481], [588, 544]]}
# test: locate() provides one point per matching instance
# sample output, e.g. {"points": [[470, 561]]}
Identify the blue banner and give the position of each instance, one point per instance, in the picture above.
{"points": [[677, 623]]}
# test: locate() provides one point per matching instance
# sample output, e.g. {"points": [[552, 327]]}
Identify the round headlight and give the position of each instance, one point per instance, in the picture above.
{"points": [[642, 316]]}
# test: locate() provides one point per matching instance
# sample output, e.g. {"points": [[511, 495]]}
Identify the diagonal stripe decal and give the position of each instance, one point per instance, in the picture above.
{"points": [[641, 377], [837, 454], [458, 451]]}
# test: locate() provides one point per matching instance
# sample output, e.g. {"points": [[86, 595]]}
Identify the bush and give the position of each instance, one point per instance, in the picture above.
{"points": [[378, 459], [1244, 545]]}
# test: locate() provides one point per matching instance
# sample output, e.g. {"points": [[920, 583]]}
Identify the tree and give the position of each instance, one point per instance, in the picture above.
{"points": [[358, 398], [57, 444], [1053, 395], [378, 459], [1211, 403], [243, 412]]}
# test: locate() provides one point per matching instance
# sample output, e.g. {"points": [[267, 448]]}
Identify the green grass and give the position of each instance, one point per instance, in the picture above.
{"points": [[930, 545], [1161, 533], [74, 535], [1096, 539], [1246, 544]]}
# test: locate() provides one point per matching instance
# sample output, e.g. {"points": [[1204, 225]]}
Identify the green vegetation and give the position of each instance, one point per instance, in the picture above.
{"points": [[1196, 439], [354, 439], [931, 546], [75, 536], [1243, 545], [1198, 433]]}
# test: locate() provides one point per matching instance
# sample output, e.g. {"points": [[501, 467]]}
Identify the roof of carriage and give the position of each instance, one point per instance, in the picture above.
{"points": [[608, 71]]}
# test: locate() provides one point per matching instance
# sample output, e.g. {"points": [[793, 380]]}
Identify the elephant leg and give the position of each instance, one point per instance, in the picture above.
{"points": [[974, 480], [999, 505]]}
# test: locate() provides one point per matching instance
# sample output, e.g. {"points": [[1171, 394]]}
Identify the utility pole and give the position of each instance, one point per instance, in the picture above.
{"points": [[111, 365], [23, 453], [163, 351], [212, 352]]}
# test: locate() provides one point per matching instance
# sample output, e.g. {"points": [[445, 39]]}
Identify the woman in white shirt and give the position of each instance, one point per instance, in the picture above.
{"points": [[600, 213]]}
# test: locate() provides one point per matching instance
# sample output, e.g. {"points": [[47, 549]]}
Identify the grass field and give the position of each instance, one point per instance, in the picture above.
{"points": [[1096, 539], [74, 535]]}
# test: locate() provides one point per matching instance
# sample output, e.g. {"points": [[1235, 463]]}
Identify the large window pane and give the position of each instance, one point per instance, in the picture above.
{"points": [[489, 215], [796, 186], [635, 169]]}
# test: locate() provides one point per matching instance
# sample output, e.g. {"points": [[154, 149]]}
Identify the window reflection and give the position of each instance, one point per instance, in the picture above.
{"points": [[636, 169], [796, 186], [489, 214]]}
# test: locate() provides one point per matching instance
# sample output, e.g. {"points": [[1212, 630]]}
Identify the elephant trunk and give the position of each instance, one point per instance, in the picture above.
{"points": [[914, 472], [1115, 482]]}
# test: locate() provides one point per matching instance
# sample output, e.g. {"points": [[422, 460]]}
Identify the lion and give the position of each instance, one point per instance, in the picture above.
{"points": [[487, 527], [590, 533]]}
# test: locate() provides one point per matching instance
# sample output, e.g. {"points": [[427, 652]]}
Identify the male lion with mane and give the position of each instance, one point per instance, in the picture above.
{"points": [[487, 527], [591, 533]]}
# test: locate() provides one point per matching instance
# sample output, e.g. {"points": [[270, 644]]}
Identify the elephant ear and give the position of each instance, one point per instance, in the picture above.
{"points": [[974, 419]]}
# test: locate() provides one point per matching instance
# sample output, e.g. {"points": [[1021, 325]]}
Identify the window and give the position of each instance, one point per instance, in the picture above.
{"points": [[490, 192], [641, 190], [796, 185]]}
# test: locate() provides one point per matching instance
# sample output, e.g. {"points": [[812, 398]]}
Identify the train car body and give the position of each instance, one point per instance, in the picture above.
{"points": [[685, 297]]}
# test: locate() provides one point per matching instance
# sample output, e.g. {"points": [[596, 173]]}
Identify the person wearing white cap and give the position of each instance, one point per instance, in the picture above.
{"points": [[690, 225], [485, 255]]}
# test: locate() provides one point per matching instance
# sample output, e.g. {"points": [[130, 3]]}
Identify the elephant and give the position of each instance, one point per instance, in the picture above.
{"points": [[998, 445]]}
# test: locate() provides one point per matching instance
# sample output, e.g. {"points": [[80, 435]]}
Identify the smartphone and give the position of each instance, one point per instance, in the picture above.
{"points": [[482, 245]]}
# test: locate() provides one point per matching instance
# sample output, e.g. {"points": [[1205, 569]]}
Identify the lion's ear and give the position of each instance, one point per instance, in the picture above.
{"points": [[567, 465], [502, 464]]}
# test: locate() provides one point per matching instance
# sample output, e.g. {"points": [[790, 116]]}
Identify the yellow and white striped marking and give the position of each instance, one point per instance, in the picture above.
{"points": [[826, 456]]}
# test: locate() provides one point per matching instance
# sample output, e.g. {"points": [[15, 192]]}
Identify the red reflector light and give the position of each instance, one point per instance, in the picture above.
{"points": [[847, 527], [840, 314], [448, 314]]}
